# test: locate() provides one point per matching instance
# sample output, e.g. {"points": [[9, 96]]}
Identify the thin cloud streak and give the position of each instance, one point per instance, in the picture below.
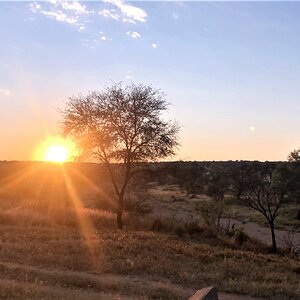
{"points": [[133, 34], [127, 12], [4, 92], [60, 17]]}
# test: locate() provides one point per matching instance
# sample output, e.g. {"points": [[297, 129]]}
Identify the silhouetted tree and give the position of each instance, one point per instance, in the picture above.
{"points": [[121, 125], [294, 156], [266, 192]]}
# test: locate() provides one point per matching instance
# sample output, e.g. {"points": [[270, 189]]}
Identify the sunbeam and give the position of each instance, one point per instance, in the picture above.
{"points": [[14, 179], [87, 229], [96, 188]]}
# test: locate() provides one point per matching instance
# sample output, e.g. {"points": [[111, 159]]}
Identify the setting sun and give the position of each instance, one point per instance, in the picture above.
{"points": [[55, 149], [57, 153]]}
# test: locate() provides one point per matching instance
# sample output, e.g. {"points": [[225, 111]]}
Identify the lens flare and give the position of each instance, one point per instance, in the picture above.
{"points": [[57, 153], [55, 149]]}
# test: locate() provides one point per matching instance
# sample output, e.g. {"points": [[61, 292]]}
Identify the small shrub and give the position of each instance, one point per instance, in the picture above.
{"points": [[240, 236], [211, 212], [193, 227], [291, 244]]}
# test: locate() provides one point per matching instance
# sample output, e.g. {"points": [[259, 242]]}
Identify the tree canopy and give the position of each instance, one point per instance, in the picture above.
{"points": [[121, 125]]}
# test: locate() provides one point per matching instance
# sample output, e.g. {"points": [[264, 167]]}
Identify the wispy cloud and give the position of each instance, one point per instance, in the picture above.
{"points": [[109, 13], [62, 11], [29, 19], [125, 12], [97, 41], [34, 7], [60, 16], [75, 6], [103, 36], [75, 12], [133, 34], [4, 92]]}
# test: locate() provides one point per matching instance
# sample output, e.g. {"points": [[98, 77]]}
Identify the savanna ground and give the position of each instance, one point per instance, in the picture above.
{"points": [[58, 240]]}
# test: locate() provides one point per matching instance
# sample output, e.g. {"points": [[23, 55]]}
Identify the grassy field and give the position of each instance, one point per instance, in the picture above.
{"points": [[58, 240], [49, 261]]}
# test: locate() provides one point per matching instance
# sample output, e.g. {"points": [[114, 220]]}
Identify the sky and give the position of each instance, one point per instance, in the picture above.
{"points": [[231, 70]]}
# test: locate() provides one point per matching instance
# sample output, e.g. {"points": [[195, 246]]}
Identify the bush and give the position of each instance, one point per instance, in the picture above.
{"points": [[240, 236], [291, 244], [193, 227], [211, 212]]}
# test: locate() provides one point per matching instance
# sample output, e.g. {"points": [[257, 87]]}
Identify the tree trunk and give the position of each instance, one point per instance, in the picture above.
{"points": [[274, 246], [219, 218], [120, 212]]}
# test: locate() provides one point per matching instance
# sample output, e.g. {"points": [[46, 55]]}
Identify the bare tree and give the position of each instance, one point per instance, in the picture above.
{"points": [[267, 193], [294, 156], [124, 126]]}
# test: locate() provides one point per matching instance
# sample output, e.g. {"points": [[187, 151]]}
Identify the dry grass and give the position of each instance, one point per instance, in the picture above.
{"points": [[176, 265], [50, 248]]}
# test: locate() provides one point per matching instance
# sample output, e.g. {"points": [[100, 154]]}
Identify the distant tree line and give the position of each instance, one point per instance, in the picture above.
{"points": [[263, 186], [122, 127]]}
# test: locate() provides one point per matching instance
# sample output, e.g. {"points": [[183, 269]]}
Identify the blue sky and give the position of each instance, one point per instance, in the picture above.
{"points": [[231, 70]]}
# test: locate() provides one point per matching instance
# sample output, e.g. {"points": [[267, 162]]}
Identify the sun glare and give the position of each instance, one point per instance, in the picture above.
{"points": [[57, 153], [55, 149]]}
